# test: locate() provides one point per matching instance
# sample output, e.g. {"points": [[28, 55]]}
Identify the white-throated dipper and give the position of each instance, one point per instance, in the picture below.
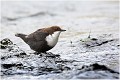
{"points": [[43, 39]]}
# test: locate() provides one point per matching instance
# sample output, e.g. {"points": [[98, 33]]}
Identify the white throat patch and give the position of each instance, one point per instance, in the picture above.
{"points": [[53, 39]]}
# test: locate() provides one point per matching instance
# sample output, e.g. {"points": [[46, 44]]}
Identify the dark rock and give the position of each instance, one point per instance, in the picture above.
{"points": [[7, 72], [94, 39], [53, 56], [6, 66], [104, 42], [96, 42], [5, 42], [21, 55], [118, 45], [102, 67], [5, 57], [47, 69], [97, 67], [66, 68]]}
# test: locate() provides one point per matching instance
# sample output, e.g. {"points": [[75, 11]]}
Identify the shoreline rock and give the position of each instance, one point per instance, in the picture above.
{"points": [[17, 62]]}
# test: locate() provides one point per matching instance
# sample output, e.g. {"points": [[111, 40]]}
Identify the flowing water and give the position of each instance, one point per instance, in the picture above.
{"points": [[99, 19]]}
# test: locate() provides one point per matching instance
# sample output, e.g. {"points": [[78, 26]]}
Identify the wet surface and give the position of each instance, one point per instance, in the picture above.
{"points": [[35, 64], [89, 49]]}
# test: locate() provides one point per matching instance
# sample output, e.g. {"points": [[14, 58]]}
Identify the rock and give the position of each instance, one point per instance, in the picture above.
{"points": [[39, 63], [5, 43], [94, 39], [11, 48], [97, 67], [6, 66], [17, 62]]}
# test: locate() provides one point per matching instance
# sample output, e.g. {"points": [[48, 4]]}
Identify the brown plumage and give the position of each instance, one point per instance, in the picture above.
{"points": [[39, 40], [51, 30]]}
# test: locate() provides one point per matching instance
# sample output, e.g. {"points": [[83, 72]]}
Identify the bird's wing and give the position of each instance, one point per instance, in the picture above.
{"points": [[37, 35]]}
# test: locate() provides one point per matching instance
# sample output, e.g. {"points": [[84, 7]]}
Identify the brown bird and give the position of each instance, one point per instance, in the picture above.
{"points": [[43, 39]]}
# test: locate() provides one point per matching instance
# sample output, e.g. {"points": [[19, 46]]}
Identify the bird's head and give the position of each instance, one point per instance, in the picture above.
{"points": [[56, 28], [53, 29]]}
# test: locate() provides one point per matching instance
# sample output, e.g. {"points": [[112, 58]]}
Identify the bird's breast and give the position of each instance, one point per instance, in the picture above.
{"points": [[52, 39]]}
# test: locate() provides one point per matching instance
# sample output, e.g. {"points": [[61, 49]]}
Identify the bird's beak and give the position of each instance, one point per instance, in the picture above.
{"points": [[63, 30]]}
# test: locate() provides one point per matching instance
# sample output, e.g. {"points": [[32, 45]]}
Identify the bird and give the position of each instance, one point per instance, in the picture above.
{"points": [[42, 39]]}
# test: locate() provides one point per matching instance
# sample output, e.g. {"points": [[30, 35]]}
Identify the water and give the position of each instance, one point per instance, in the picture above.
{"points": [[79, 18]]}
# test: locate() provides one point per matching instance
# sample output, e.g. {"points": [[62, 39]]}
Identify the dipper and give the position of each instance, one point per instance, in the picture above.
{"points": [[43, 39]]}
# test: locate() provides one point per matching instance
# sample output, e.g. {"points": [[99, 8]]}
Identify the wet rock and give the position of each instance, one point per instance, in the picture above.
{"points": [[94, 39], [11, 48], [66, 68], [40, 63], [5, 57], [6, 66], [53, 56], [104, 42], [48, 69], [93, 42], [21, 55], [97, 67], [5, 43], [17, 62]]}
